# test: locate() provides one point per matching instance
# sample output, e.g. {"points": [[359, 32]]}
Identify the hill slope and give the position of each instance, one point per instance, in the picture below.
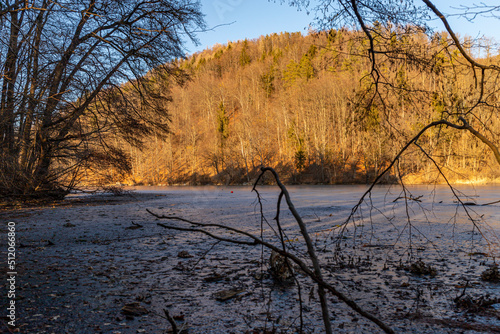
{"points": [[306, 105]]}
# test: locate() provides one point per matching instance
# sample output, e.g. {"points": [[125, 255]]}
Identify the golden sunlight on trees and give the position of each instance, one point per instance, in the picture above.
{"points": [[336, 106], [309, 106]]}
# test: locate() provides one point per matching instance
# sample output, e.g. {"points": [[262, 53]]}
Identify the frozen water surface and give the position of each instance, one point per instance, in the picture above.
{"points": [[108, 252]]}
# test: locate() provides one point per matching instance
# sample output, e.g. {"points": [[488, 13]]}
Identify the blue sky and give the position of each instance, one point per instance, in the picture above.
{"points": [[233, 20], [239, 19]]}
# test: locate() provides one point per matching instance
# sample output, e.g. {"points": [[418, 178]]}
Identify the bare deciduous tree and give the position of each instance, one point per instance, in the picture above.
{"points": [[62, 63]]}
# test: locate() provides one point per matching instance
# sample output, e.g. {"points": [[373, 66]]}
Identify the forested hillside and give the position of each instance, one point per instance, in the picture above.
{"points": [[305, 106]]}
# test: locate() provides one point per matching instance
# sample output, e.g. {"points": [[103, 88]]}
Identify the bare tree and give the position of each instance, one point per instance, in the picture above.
{"points": [[62, 63]]}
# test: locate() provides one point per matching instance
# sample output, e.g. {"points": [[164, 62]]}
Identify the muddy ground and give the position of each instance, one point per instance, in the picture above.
{"points": [[101, 264]]}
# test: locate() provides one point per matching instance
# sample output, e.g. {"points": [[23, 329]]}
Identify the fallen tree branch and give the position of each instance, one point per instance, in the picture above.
{"points": [[283, 246], [172, 322], [205, 254], [411, 198], [256, 241], [309, 245], [241, 242]]}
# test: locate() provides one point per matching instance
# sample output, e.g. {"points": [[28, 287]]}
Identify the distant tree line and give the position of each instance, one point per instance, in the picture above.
{"points": [[78, 105], [307, 105]]}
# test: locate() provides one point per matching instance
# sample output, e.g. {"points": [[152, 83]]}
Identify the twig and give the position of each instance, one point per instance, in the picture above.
{"points": [[411, 198], [490, 203], [205, 254], [172, 322]]}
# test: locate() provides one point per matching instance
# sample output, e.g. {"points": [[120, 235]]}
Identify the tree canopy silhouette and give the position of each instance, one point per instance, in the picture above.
{"points": [[61, 64]]}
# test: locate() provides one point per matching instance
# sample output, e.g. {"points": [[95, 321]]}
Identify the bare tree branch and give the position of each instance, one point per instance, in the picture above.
{"points": [[305, 268]]}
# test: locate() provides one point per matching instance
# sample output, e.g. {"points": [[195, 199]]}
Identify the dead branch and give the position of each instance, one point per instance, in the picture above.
{"points": [[464, 126], [491, 203], [309, 244], [241, 242], [410, 198], [205, 254], [283, 246], [172, 322], [257, 241]]}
